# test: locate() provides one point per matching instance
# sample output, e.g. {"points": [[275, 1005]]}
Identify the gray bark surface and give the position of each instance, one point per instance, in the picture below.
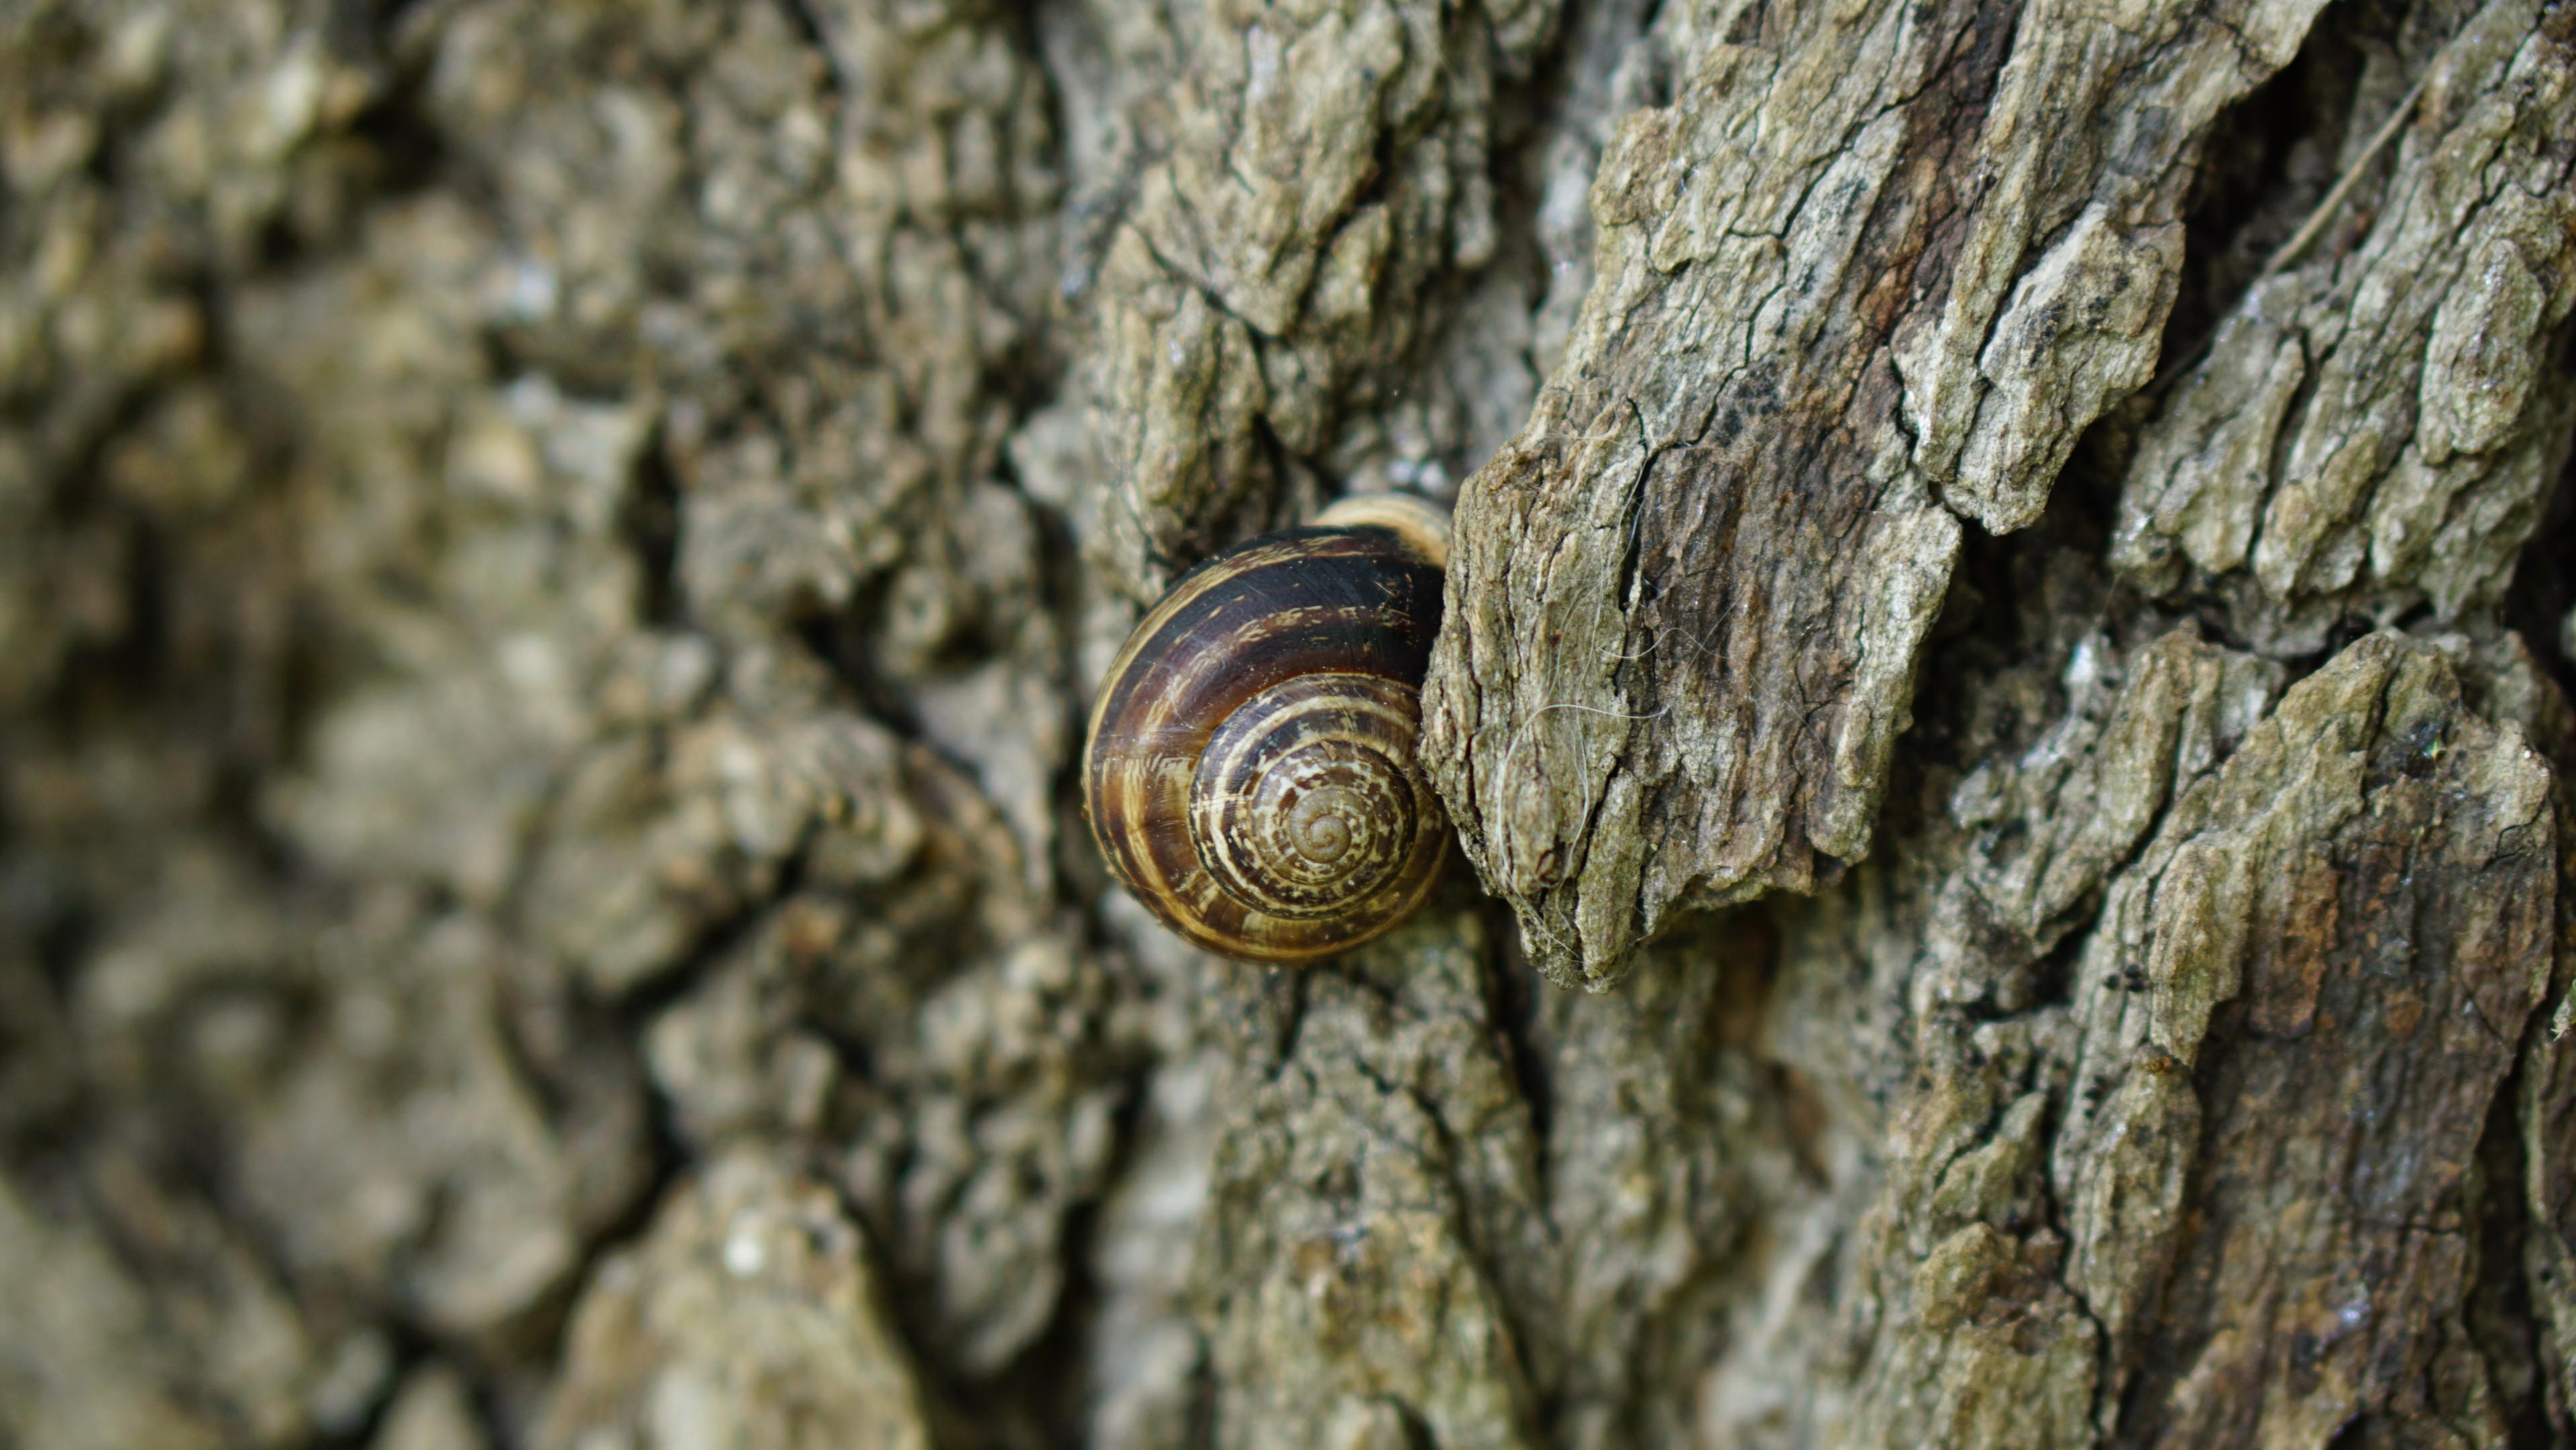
{"points": [[2004, 692]]}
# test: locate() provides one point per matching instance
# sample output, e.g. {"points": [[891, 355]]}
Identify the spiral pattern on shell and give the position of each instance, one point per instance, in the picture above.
{"points": [[1251, 774]]}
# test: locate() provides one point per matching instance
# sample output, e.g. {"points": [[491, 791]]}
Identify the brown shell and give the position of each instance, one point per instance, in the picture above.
{"points": [[1251, 774]]}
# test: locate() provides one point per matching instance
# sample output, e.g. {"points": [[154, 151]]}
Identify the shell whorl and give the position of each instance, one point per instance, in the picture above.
{"points": [[1251, 774]]}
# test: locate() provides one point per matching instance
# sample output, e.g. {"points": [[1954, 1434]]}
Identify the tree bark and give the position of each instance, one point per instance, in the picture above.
{"points": [[2004, 689]]}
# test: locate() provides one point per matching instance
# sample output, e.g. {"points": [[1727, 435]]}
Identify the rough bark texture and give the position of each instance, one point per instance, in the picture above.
{"points": [[2011, 619], [1867, 278]]}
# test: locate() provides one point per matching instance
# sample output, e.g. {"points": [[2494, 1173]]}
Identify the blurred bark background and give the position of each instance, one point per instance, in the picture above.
{"points": [[2012, 625]]}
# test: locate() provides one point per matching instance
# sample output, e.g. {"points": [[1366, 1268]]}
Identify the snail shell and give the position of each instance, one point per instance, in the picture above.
{"points": [[1251, 774]]}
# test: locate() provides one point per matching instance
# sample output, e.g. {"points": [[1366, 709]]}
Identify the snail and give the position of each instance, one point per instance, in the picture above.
{"points": [[1251, 774]]}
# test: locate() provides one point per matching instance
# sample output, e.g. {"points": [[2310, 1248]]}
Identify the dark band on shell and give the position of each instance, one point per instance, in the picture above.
{"points": [[1251, 774]]}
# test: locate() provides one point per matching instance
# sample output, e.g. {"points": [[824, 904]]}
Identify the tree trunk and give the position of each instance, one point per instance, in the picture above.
{"points": [[2003, 685]]}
